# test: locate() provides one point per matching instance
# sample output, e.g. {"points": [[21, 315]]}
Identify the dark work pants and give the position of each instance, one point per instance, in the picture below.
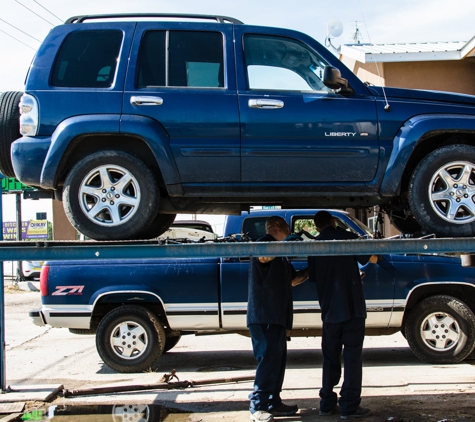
{"points": [[349, 336], [269, 344]]}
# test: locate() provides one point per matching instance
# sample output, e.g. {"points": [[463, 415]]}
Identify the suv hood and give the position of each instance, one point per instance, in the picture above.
{"points": [[423, 95]]}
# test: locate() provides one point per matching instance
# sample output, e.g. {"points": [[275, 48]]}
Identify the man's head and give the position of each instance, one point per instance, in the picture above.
{"points": [[277, 227], [323, 219]]}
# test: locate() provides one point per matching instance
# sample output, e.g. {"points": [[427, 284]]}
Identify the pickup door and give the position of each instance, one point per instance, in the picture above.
{"points": [[378, 281]]}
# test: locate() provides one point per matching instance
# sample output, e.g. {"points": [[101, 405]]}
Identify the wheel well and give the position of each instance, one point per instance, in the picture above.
{"points": [[429, 143], [110, 302], [463, 292], [88, 144]]}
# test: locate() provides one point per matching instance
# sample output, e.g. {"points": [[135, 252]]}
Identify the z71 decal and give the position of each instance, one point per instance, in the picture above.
{"points": [[68, 290]]}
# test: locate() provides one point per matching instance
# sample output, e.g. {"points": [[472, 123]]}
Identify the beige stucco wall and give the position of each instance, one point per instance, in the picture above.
{"points": [[453, 76]]}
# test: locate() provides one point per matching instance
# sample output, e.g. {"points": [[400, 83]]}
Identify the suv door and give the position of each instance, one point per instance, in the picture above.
{"points": [[182, 80], [294, 128]]}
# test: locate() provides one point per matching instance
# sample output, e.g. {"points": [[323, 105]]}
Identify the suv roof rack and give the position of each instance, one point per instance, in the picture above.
{"points": [[217, 18]]}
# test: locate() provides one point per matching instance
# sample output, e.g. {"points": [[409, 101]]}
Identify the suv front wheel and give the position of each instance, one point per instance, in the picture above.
{"points": [[111, 195]]}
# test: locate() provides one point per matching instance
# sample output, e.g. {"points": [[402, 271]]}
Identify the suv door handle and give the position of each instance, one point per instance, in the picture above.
{"points": [[265, 103], [146, 101]]}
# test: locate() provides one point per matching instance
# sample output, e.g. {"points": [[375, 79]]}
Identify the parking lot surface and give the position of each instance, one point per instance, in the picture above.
{"points": [[396, 384]]}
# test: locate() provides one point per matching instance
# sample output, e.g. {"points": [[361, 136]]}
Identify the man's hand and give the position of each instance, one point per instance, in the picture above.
{"points": [[300, 277]]}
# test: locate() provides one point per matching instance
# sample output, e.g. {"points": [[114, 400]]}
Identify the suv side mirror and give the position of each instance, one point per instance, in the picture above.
{"points": [[333, 80]]}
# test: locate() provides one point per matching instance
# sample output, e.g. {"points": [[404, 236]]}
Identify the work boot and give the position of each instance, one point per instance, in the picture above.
{"points": [[284, 410], [262, 416], [360, 412], [335, 409]]}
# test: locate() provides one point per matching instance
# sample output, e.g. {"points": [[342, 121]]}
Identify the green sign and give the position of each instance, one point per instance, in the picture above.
{"points": [[10, 184]]}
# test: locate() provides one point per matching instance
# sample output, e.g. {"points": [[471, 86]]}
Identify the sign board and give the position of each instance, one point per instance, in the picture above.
{"points": [[33, 229], [10, 184]]}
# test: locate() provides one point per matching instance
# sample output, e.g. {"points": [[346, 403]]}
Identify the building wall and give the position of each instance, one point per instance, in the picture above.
{"points": [[452, 76]]}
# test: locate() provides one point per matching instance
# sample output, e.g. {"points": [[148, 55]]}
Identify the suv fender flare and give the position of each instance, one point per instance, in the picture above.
{"points": [[65, 133], [410, 135], [151, 132]]}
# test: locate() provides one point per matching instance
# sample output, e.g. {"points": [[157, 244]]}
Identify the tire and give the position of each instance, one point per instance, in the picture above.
{"points": [[160, 225], [403, 222], [442, 192], [120, 206], [441, 329], [130, 339], [9, 129], [171, 342]]}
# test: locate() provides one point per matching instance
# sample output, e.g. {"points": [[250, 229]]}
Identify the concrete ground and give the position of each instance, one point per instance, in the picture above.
{"points": [[396, 384]]}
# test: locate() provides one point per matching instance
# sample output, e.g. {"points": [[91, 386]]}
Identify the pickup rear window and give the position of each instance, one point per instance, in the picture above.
{"points": [[87, 59]]}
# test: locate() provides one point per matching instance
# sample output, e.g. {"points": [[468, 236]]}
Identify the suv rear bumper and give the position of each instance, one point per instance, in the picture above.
{"points": [[37, 317], [28, 157]]}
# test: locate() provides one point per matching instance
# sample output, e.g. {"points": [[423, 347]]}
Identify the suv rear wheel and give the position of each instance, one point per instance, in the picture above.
{"points": [[111, 195], [9, 128]]}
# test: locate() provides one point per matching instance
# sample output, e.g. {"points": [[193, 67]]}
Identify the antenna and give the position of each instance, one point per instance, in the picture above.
{"points": [[357, 37], [334, 30]]}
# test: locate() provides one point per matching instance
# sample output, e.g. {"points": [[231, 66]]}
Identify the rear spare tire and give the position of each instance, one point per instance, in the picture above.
{"points": [[9, 128]]}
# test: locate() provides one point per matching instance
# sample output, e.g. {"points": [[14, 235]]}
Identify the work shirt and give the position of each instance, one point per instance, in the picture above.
{"points": [[338, 280], [270, 291]]}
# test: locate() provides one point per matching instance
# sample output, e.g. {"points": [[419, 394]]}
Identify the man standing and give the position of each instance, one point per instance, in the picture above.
{"points": [[342, 303], [269, 315]]}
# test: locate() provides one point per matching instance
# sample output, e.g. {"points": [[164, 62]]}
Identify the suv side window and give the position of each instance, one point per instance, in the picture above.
{"points": [[87, 59], [278, 63], [195, 59]]}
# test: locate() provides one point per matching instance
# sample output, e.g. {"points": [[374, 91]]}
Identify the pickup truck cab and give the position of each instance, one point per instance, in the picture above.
{"points": [[139, 309]]}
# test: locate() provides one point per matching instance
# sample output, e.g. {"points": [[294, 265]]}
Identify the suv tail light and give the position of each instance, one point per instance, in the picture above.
{"points": [[28, 115], [44, 280]]}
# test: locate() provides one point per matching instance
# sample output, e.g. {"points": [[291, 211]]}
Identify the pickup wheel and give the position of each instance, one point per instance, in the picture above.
{"points": [[442, 191], [130, 338], [441, 329], [171, 342], [9, 129], [111, 195]]}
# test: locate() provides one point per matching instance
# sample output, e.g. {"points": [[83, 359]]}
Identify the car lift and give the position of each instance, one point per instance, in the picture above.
{"points": [[90, 250]]}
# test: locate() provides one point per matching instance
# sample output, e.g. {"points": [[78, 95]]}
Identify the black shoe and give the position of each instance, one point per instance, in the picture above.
{"points": [[361, 412], [335, 409], [284, 410]]}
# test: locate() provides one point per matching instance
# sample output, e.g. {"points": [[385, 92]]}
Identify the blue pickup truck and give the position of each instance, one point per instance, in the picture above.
{"points": [[131, 119], [139, 309]]}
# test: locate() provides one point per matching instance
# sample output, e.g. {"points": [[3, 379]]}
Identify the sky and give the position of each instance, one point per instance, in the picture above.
{"points": [[378, 21]]}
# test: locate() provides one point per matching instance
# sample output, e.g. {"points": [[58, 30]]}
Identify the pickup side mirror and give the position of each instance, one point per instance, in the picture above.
{"points": [[333, 80]]}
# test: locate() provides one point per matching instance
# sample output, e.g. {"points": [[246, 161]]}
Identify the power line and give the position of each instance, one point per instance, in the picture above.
{"points": [[18, 29], [11, 36], [51, 13], [32, 11]]}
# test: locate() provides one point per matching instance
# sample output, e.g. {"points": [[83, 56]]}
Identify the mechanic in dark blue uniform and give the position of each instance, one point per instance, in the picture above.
{"points": [[343, 307], [269, 316]]}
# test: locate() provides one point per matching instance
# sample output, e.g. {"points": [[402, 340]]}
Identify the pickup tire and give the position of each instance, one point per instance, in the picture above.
{"points": [[171, 342], [130, 339], [442, 191], [441, 329], [9, 129], [111, 195]]}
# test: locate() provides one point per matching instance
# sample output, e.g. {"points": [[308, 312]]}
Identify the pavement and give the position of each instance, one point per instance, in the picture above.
{"points": [[41, 362]]}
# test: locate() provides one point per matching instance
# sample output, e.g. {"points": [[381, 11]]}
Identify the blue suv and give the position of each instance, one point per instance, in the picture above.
{"points": [[131, 119]]}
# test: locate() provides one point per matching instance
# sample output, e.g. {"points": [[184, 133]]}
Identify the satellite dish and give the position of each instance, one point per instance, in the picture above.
{"points": [[334, 28]]}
